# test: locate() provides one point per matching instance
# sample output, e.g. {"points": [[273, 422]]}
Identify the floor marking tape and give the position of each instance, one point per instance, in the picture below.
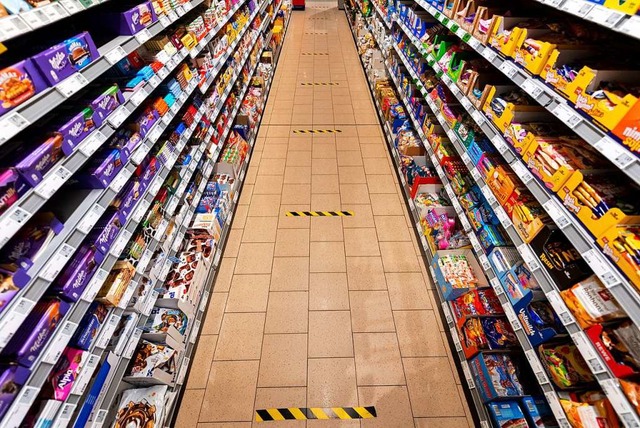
{"points": [[319, 84], [316, 131], [319, 214], [304, 413]]}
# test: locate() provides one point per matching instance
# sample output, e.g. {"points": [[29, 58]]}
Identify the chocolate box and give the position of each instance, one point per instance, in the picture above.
{"points": [[105, 231], [12, 187], [133, 20], [18, 83], [64, 374], [62, 60], [34, 333], [12, 280], [104, 168], [538, 413], [35, 164], [24, 248], [497, 375], [89, 326], [77, 273], [12, 377], [128, 198], [77, 129], [507, 414], [106, 103], [116, 283]]}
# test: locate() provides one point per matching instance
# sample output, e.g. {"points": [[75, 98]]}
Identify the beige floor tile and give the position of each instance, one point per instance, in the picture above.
{"points": [[327, 257], [442, 422], [330, 334], [354, 194], [352, 174], [332, 382], [326, 228], [392, 228], [286, 222], [297, 175], [268, 185], [328, 291], [431, 386], [325, 202], [378, 359], [190, 408], [199, 371], [386, 204], [325, 184], [230, 393], [278, 131], [240, 336], [374, 151], [225, 425], [347, 143], [240, 217], [254, 258], [349, 158], [276, 151], [369, 130], [362, 216], [294, 194], [260, 229], [382, 184], [408, 290], [365, 273], [290, 274], [371, 312], [249, 293], [245, 196], [215, 312], [392, 406], [284, 361], [299, 159], [252, 174], [324, 166], [234, 241], [225, 273], [271, 166], [287, 312], [278, 398], [264, 205], [361, 242], [292, 243], [418, 334], [399, 257], [300, 145]]}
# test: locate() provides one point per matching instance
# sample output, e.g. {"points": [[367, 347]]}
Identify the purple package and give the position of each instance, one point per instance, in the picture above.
{"points": [[12, 280], [128, 198], [134, 20], [106, 103], [105, 231], [64, 374], [12, 377], [104, 168], [89, 326], [78, 272], [149, 173], [18, 83], [37, 163], [132, 143], [62, 60], [76, 130], [12, 187], [145, 122], [23, 249], [34, 333]]}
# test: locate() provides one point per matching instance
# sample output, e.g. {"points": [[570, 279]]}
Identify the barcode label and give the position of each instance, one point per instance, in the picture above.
{"points": [[11, 124], [53, 182], [90, 219], [72, 84], [10, 323], [142, 36], [164, 21], [488, 193], [94, 285], [115, 55], [121, 242], [22, 403], [154, 81], [57, 262], [154, 134], [92, 143], [12, 222], [600, 267], [59, 342], [489, 54]]}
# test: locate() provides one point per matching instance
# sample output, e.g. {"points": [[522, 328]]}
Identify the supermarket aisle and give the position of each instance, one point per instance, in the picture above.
{"points": [[322, 311]]}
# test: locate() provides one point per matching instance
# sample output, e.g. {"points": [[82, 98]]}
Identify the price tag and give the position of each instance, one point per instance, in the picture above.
{"points": [[13, 221], [52, 182], [85, 375], [194, 331], [98, 420], [139, 96], [54, 11], [35, 18], [461, 33], [600, 267], [465, 222], [559, 307], [143, 35], [522, 172], [166, 119], [144, 260], [164, 21], [94, 285], [511, 316], [12, 26], [64, 415], [475, 43], [555, 212], [466, 103], [154, 80], [119, 180], [155, 186], [534, 362], [488, 193], [587, 351], [577, 7], [183, 370], [476, 174], [204, 301], [107, 331], [456, 339], [183, 97], [508, 69], [532, 87], [154, 134], [489, 54], [165, 270], [151, 301], [528, 256], [631, 26], [554, 403], [172, 15], [59, 342], [447, 313], [140, 154], [619, 401], [604, 16], [57, 262], [162, 227], [478, 117], [615, 152], [502, 216], [567, 115], [118, 116], [11, 124], [121, 242], [92, 143], [497, 287], [474, 243], [128, 294], [13, 319], [484, 261], [133, 343], [115, 55], [141, 209], [22, 403], [72, 84], [90, 219], [467, 375]]}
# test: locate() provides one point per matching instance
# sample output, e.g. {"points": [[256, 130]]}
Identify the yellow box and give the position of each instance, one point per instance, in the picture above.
{"points": [[616, 247], [552, 179], [504, 34], [531, 53], [629, 7], [510, 112]]}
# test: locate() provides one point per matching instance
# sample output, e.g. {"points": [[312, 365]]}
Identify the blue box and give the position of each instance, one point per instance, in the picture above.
{"points": [[496, 376], [538, 412], [507, 414]]}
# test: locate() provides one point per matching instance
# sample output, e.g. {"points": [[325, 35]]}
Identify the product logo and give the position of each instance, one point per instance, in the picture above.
{"points": [[65, 379], [519, 58], [551, 76], [40, 339], [9, 74], [76, 129], [43, 162], [58, 61], [20, 250], [104, 103], [135, 17], [583, 103], [79, 280], [607, 250], [526, 324], [570, 202], [109, 169]]}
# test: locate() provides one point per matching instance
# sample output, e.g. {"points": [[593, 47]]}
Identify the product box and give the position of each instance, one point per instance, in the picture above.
{"points": [[62, 60], [12, 377], [142, 407], [128, 198], [78, 272], [457, 272], [34, 164], [619, 346], [89, 326], [485, 333], [12, 187], [122, 334], [538, 413], [167, 321], [507, 414], [565, 365], [482, 301], [75, 130], [105, 231], [116, 283], [133, 20], [518, 282], [497, 375], [502, 259], [538, 319], [152, 363], [106, 103], [19, 82], [64, 373]]}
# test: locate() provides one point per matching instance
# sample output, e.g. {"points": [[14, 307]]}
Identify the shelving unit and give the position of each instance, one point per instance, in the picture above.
{"points": [[625, 292]]}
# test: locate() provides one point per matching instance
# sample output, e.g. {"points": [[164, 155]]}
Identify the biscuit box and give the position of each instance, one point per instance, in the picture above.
{"points": [[62, 60], [18, 83], [12, 377], [133, 20], [507, 414], [497, 375]]}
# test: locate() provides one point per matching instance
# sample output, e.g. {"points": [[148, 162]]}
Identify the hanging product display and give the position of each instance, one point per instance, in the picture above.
{"points": [[513, 130]]}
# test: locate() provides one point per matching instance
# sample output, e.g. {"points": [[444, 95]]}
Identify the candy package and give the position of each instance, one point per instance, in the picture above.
{"points": [[141, 407], [507, 414], [592, 303], [565, 365], [498, 375], [482, 301], [162, 318], [538, 413], [589, 409], [486, 333], [64, 374], [150, 357], [619, 345]]}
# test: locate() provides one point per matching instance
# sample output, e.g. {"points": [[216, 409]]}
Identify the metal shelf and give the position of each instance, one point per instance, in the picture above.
{"points": [[597, 365]]}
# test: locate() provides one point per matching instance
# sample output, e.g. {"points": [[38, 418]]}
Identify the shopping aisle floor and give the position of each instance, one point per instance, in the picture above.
{"points": [[322, 311]]}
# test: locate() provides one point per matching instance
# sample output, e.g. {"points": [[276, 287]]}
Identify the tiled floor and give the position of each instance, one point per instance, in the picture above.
{"points": [[310, 312]]}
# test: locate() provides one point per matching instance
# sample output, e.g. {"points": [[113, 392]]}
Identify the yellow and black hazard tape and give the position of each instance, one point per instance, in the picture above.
{"points": [[316, 131], [319, 84], [314, 53], [304, 413], [319, 214]]}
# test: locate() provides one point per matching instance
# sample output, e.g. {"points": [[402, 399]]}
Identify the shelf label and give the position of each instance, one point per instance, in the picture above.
{"points": [[447, 313], [466, 103], [478, 117], [12, 222], [465, 222], [98, 420], [144, 260], [567, 115], [154, 134], [511, 316], [183, 370], [119, 180], [162, 227], [57, 262], [532, 87], [11, 124], [467, 374], [577, 7], [143, 35], [150, 303], [85, 375], [502, 216], [587, 351], [141, 209], [180, 10], [22, 403], [133, 343], [500, 144], [128, 294], [166, 119], [489, 54], [121, 242], [118, 116], [59, 342], [94, 285], [12, 26], [204, 301], [559, 307], [614, 152], [484, 261], [600, 267], [35, 18], [488, 193], [474, 242], [522, 171], [556, 213], [528, 257], [115, 55], [183, 96], [497, 287], [194, 331], [631, 26], [10, 323], [619, 402], [72, 84], [604, 16], [537, 368], [155, 186], [164, 21], [172, 16], [52, 182], [90, 219], [92, 143], [107, 331], [165, 270], [139, 96], [510, 70], [64, 415], [140, 154]]}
